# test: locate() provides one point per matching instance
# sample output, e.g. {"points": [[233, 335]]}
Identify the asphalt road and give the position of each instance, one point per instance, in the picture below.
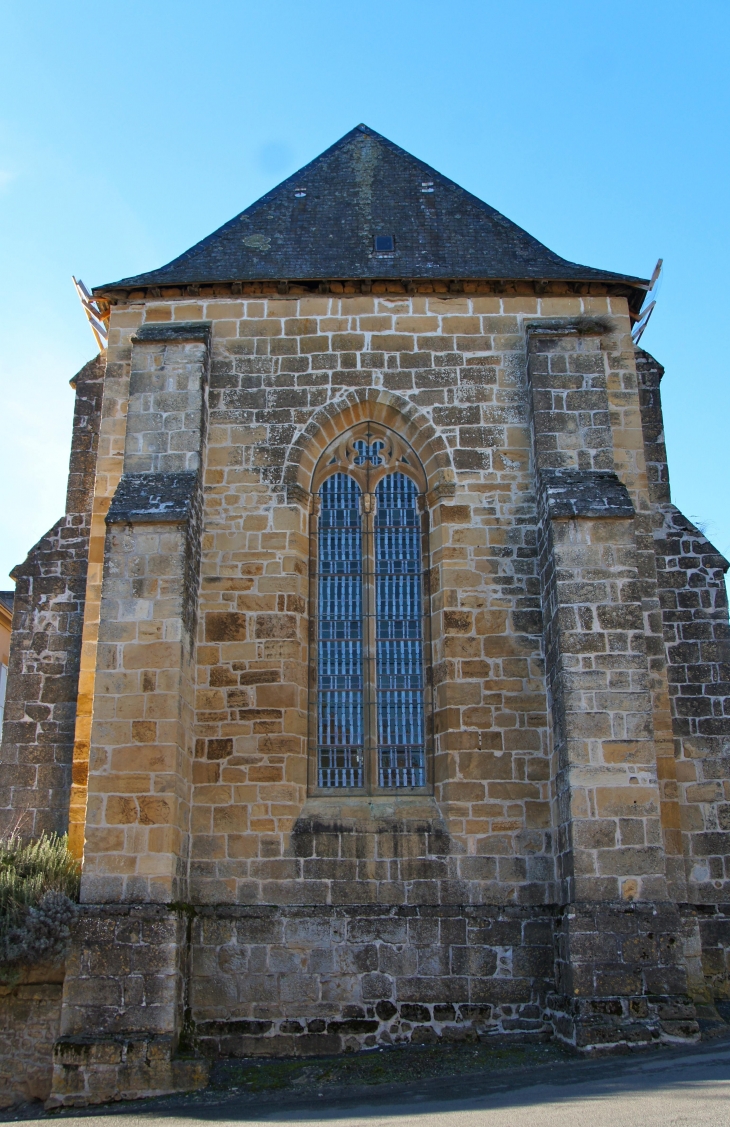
{"points": [[685, 1089]]}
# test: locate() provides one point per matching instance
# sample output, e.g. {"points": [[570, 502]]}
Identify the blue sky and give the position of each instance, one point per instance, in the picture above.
{"points": [[128, 132]]}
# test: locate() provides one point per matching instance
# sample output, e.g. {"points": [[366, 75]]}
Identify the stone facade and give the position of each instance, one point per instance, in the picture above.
{"points": [[30, 1018], [48, 616], [564, 872], [693, 598]]}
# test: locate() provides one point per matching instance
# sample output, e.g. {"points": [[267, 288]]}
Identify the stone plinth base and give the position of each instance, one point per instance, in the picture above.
{"points": [[302, 980], [596, 1025], [30, 1016], [125, 972], [88, 1070], [368, 1027], [713, 921], [305, 980], [123, 1007], [621, 971]]}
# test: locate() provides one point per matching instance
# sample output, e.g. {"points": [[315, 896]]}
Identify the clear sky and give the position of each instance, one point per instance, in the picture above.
{"points": [[130, 131]]}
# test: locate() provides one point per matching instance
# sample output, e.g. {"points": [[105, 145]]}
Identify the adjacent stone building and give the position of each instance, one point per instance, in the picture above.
{"points": [[379, 683], [6, 622]]}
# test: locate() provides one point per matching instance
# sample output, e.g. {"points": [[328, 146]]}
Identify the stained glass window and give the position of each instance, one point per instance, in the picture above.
{"points": [[370, 646], [340, 658], [399, 638]]}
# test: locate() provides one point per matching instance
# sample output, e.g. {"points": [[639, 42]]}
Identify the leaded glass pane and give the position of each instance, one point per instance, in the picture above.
{"points": [[399, 638], [340, 739]]}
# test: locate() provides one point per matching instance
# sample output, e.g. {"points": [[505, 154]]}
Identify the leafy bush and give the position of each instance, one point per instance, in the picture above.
{"points": [[39, 888]]}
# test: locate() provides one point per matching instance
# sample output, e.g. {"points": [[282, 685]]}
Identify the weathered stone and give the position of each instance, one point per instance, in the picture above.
{"points": [[48, 616], [30, 1016], [576, 664]]}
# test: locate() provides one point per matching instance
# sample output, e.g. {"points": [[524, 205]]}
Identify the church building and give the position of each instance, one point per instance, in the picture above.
{"points": [[381, 688]]}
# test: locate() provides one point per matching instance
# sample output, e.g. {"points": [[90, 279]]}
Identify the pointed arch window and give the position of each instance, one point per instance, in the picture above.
{"points": [[369, 710]]}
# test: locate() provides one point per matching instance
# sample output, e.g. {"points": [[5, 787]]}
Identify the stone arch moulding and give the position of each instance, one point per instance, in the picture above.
{"points": [[369, 405]]}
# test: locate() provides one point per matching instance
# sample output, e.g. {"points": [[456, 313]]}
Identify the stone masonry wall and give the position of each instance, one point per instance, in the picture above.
{"points": [[304, 981], [450, 371], [697, 641], [124, 997], [30, 1017], [714, 935], [695, 614], [40, 708], [287, 375], [138, 807], [621, 976], [448, 374], [138, 813], [278, 874], [596, 599]]}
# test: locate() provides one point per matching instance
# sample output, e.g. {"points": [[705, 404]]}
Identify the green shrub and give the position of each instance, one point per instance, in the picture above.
{"points": [[39, 888]]}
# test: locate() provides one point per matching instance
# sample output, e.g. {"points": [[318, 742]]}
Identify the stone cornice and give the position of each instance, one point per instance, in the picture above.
{"points": [[339, 286]]}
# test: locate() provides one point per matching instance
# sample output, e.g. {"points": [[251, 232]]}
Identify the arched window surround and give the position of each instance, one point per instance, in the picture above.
{"points": [[366, 454]]}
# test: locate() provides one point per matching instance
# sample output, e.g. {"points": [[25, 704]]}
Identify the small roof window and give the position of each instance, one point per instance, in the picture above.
{"points": [[427, 185], [300, 193], [384, 244]]}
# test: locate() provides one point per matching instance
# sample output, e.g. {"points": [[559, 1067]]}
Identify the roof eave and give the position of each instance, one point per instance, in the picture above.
{"points": [[634, 289]]}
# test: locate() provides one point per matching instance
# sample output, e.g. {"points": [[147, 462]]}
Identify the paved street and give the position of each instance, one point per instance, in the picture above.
{"points": [[683, 1090]]}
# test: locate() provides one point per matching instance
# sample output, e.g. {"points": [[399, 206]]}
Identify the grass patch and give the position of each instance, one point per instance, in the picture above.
{"points": [[399, 1064]]}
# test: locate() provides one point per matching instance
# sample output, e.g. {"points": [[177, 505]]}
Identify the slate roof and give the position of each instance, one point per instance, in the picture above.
{"points": [[321, 223]]}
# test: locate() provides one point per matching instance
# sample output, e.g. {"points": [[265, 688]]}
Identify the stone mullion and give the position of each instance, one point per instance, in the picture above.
{"points": [[369, 623]]}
